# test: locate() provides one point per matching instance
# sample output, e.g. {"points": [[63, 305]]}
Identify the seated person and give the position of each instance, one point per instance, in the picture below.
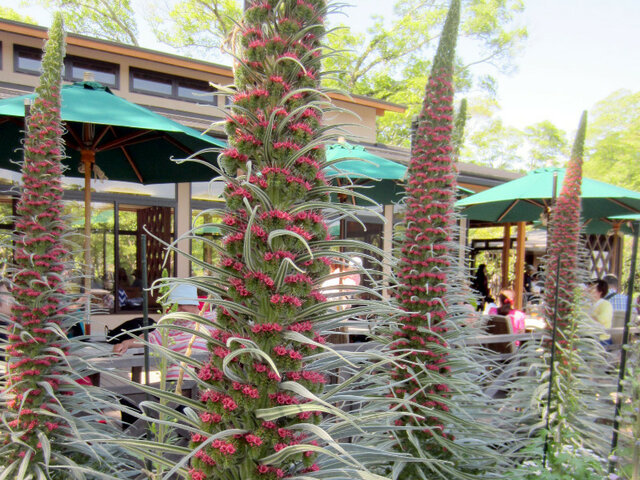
{"points": [[186, 298], [123, 278], [137, 281], [505, 308], [602, 310]]}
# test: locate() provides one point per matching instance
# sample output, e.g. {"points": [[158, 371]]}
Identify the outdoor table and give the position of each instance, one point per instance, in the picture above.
{"points": [[133, 361]]}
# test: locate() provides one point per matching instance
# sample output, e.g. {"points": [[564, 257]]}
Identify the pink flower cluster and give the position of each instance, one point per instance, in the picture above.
{"points": [[213, 396], [267, 328], [285, 300], [285, 352]]}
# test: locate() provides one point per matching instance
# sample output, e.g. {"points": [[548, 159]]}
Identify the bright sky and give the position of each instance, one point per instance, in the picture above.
{"points": [[578, 52]]}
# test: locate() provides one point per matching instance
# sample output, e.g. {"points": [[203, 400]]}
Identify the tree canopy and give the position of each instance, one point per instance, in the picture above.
{"points": [[11, 14], [613, 142], [105, 19], [389, 61], [198, 27], [547, 145]]}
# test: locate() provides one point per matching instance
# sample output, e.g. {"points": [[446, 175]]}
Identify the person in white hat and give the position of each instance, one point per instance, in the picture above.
{"points": [[186, 298]]}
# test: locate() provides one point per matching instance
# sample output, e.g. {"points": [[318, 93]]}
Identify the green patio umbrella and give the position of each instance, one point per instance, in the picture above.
{"points": [[126, 141], [526, 198], [383, 178], [112, 138]]}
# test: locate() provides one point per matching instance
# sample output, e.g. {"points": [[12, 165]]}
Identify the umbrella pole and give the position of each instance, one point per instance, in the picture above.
{"points": [[88, 157], [625, 340]]}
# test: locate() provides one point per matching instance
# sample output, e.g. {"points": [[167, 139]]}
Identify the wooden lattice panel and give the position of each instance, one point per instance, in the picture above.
{"points": [[604, 254], [158, 221]]}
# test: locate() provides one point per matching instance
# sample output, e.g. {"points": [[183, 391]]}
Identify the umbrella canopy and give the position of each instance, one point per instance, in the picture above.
{"points": [[356, 162], [381, 176], [129, 142], [363, 168], [526, 198]]}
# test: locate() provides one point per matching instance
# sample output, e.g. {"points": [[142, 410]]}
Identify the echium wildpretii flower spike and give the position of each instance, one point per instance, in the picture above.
{"points": [[33, 351], [564, 235], [421, 270], [458, 131], [272, 128]]}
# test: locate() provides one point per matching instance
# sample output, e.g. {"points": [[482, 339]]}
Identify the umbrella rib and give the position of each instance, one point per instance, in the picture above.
{"points": [[75, 136], [504, 214], [176, 143], [534, 202], [101, 136], [133, 166], [123, 141], [128, 143], [620, 204]]}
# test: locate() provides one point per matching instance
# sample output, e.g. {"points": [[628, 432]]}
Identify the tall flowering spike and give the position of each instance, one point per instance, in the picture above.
{"points": [[458, 130], [274, 162], [429, 219], [33, 358], [564, 236]]}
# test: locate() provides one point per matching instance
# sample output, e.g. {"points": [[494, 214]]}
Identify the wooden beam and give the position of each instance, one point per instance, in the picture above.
{"points": [[520, 250], [506, 246]]}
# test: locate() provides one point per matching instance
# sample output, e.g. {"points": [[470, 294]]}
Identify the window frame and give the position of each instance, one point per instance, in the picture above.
{"points": [[24, 49], [70, 62], [176, 82]]}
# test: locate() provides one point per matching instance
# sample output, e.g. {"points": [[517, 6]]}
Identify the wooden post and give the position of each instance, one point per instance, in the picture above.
{"points": [[182, 226], [520, 250], [506, 247], [116, 254], [88, 158], [616, 250]]}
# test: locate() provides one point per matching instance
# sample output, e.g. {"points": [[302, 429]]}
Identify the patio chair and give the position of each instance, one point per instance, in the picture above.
{"points": [[500, 325], [617, 322]]}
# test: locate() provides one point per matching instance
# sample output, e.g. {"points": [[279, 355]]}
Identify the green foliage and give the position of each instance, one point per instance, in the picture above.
{"points": [[628, 453], [548, 145], [493, 144], [199, 26], [568, 464], [98, 18], [388, 61], [11, 14], [613, 142]]}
